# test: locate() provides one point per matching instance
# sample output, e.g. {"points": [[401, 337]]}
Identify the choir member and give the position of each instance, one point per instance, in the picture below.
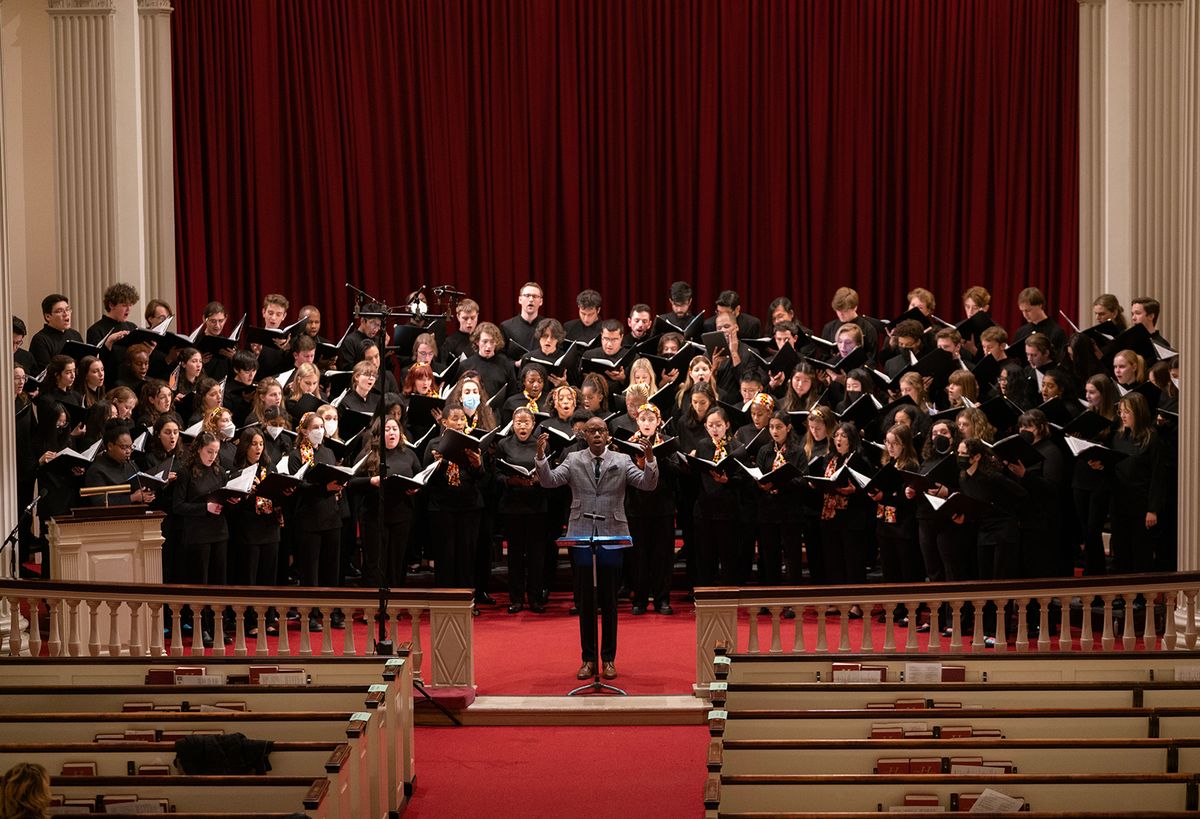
{"points": [[205, 541], [388, 509], [215, 366], [998, 536], [191, 369], [717, 508], [455, 505], [304, 392], [612, 343], [1129, 370], [586, 327], [519, 328], [318, 517], [845, 307], [780, 528], [944, 545], [1107, 307], [156, 399], [522, 509], [494, 367], [370, 322], [1141, 486], [896, 514], [90, 381], [1032, 305], [55, 333], [162, 448], [255, 523], [1145, 311], [466, 315], [362, 396], [845, 514], [114, 467], [1089, 482], [651, 517]]}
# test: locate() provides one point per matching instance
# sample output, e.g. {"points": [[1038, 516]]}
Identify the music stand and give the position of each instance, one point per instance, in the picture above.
{"points": [[594, 544]]}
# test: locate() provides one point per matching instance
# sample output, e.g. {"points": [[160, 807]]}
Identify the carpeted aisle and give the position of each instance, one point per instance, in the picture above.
{"points": [[646, 772]]}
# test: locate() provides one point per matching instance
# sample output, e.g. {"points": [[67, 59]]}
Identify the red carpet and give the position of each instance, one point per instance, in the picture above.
{"points": [[554, 772]]}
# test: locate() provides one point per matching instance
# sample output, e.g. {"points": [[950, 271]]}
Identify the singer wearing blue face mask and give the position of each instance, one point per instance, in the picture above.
{"points": [[597, 477]]}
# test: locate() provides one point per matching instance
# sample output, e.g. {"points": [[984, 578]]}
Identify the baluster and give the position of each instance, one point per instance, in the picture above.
{"points": [[935, 625], [93, 609], [1128, 633], [1043, 641], [239, 628], [1107, 639], [866, 646], [977, 641], [383, 620], [136, 647], [35, 627], [889, 626], [1149, 632], [197, 647], [73, 640], [1169, 638], [822, 647], [260, 642], [776, 643], [1189, 628], [798, 637], [114, 630], [844, 631], [956, 608], [910, 643], [305, 636], [1087, 640], [1022, 641], [348, 647], [54, 646], [283, 647], [156, 630], [327, 634], [176, 629], [418, 654], [753, 630], [14, 629], [1064, 624]]}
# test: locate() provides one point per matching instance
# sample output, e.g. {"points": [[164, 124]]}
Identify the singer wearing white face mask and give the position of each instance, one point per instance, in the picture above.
{"points": [[219, 421], [318, 518]]}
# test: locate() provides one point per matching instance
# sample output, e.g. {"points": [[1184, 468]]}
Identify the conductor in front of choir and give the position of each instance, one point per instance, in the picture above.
{"points": [[597, 477]]}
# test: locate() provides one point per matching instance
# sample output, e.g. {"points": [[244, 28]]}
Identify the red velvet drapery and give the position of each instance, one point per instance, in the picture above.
{"points": [[771, 146]]}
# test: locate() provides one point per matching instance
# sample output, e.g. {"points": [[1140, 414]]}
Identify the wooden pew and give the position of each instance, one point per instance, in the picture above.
{"points": [[209, 793], [1100, 694], [859, 756], [363, 790], [1139, 666], [132, 670], [1024, 723], [1070, 793], [337, 684]]}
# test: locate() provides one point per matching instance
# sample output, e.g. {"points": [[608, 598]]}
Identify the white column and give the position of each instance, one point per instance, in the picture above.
{"points": [[1189, 292], [8, 460], [1092, 155], [1157, 137], [114, 174], [83, 40], [154, 41]]}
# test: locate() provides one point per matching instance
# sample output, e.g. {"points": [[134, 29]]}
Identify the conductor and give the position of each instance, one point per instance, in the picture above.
{"points": [[597, 477]]}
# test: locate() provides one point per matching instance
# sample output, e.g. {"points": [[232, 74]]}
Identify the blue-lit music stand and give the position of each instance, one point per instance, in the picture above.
{"points": [[595, 546]]}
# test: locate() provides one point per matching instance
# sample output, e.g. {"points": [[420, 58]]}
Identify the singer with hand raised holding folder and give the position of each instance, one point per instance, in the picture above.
{"points": [[597, 477]]}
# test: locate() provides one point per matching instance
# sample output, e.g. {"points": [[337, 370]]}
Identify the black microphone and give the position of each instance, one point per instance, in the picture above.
{"points": [[447, 290]]}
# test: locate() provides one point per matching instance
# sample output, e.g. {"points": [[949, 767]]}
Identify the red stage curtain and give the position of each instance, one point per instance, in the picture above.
{"points": [[775, 147]]}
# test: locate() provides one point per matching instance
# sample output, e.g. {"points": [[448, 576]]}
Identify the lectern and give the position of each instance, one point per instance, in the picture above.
{"points": [[113, 544]]}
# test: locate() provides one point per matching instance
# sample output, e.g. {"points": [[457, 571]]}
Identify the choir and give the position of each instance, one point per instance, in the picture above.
{"points": [[910, 449]]}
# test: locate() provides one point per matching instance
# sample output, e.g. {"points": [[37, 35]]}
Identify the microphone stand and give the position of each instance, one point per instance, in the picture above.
{"points": [[11, 540]]}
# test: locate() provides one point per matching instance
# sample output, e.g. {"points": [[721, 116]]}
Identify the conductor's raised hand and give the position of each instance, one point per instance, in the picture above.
{"points": [[648, 449], [542, 440]]}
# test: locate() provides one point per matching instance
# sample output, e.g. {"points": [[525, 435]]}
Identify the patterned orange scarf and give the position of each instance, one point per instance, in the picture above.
{"points": [[719, 452], [833, 502], [780, 458], [453, 474]]}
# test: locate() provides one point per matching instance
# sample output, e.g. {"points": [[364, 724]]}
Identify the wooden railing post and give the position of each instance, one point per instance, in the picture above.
{"points": [[716, 622], [451, 640]]}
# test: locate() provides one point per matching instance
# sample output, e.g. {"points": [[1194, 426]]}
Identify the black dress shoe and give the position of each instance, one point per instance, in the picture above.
{"points": [[585, 671], [638, 610], [515, 607], [537, 608], [485, 598], [314, 625], [665, 608], [206, 638], [337, 620], [574, 610]]}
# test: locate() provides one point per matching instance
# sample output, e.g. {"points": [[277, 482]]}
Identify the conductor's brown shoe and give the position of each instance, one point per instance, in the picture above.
{"points": [[610, 671], [586, 670]]}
